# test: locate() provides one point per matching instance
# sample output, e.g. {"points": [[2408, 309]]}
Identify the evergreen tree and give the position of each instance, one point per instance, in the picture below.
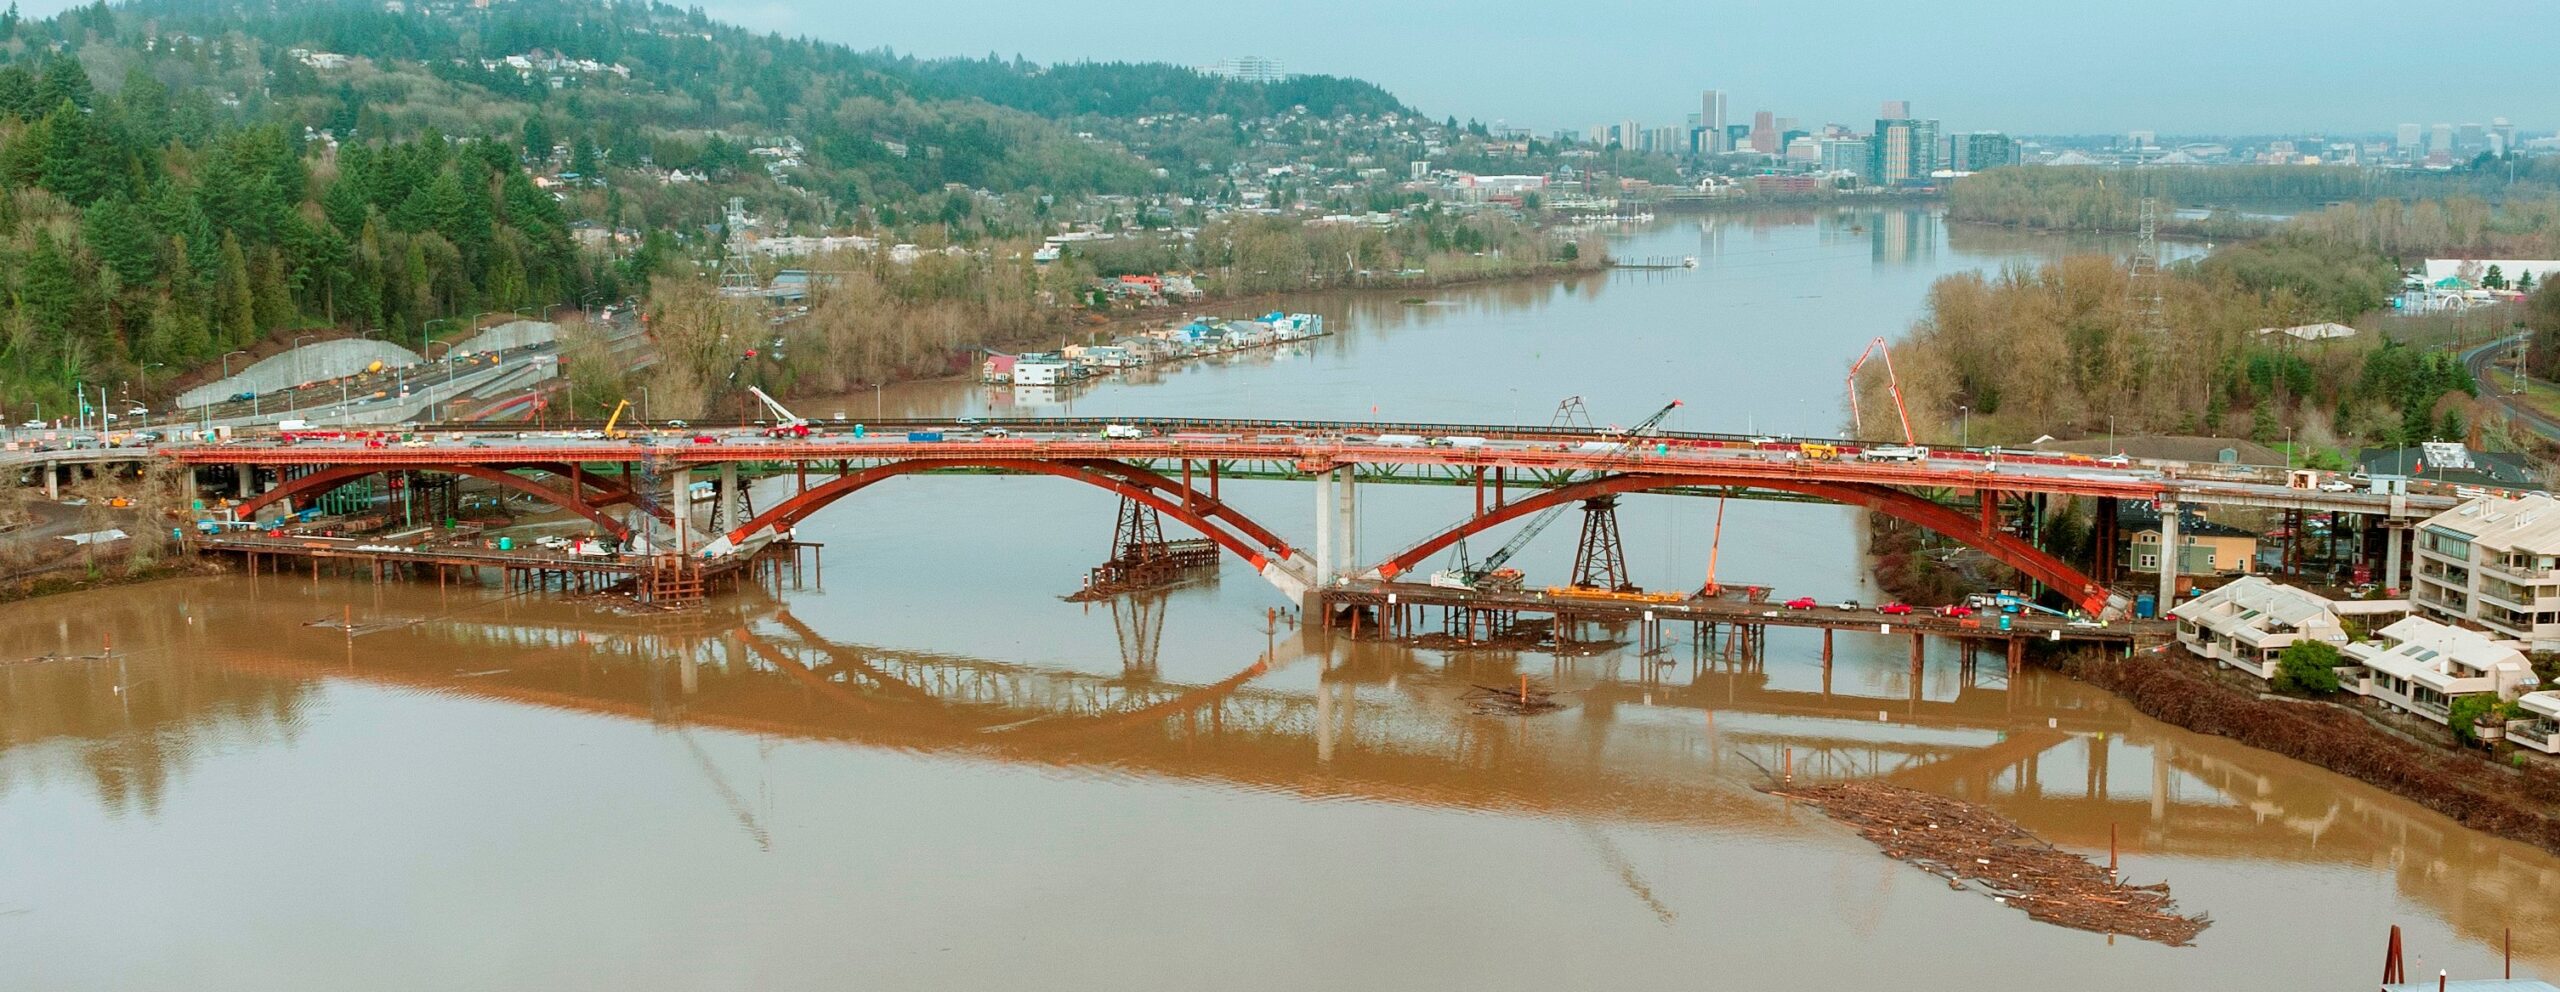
{"points": [[235, 306], [74, 165], [64, 81], [537, 139], [122, 239]]}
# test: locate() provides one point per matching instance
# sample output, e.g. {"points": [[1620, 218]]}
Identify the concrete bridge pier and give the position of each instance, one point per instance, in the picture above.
{"points": [[1337, 545], [52, 480], [2169, 554], [2394, 540], [724, 514], [680, 506]]}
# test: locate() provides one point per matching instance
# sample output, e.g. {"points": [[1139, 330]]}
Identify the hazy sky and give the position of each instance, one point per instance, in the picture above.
{"points": [[2226, 66], [2035, 66]]}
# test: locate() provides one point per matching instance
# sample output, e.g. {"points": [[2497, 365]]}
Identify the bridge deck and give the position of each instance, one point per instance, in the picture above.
{"points": [[1523, 455]]}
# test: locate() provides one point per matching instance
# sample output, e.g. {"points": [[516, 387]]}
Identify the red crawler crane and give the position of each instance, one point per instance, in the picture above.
{"points": [[1892, 381]]}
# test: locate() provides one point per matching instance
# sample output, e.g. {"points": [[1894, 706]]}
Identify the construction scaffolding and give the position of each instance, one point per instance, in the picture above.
{"points": [[1141, 558]]}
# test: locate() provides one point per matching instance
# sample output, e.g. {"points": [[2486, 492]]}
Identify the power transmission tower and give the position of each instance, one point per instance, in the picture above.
{"points": [[737, 269], [2146, 265]]}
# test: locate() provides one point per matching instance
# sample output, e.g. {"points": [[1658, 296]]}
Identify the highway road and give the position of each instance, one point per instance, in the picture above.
{"points": [[2478, 361], [1451, 449]]}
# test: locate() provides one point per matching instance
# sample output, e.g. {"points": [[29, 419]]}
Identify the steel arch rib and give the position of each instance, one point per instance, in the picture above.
{"points": [[799, 507], [1214, 508], [2006, 548], [331, 478]]}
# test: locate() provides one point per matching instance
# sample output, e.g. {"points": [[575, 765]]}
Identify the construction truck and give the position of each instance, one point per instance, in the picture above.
{"points": [[786, 423]]}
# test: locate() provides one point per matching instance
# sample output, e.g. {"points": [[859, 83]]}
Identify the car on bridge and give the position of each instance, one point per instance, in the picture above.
{"points": [[1895, 609], [1955, 610], [1848, 606], [1802, 603]]}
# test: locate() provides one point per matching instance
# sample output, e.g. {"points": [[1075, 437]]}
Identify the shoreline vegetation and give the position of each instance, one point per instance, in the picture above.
{"points": [[872, 321], [2517, 804], [2090, 343]]}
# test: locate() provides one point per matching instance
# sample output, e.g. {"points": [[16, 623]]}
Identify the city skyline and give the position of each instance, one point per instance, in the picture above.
{"points": [[2043, 83], [1484, 67]]}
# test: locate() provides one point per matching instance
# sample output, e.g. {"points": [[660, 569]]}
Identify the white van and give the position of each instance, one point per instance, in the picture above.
{"points": [[1122, 432]]}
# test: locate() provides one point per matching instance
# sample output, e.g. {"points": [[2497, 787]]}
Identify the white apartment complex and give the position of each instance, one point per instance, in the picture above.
{"points": [[2246, 623], [2494, 563], [2418, 666]]}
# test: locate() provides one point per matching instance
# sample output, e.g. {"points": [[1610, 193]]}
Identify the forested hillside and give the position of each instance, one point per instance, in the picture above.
{"points": [[187, 177], [2109, 199]]}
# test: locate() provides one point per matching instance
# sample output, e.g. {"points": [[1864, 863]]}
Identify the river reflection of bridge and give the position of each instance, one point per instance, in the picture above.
{"points": [[1328, 719]]}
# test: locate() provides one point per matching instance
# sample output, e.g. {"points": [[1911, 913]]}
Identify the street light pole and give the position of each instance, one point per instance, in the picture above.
{"points": [[301, 370], [1965, 439]]}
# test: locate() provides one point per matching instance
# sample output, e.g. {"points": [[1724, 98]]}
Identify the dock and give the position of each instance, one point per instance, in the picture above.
{"points": [[653, 579], [1404, 609]]}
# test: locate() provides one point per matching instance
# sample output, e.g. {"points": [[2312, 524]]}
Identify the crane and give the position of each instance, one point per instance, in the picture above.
{"points": [[611, 422], [1491, 571], [1892, 382], [785, 422]]}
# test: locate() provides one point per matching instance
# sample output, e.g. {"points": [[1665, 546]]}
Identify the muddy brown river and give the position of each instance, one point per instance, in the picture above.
{"points": [[926, 770]]}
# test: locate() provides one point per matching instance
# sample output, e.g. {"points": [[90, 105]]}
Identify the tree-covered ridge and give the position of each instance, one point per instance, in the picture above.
{"points": [[1133, 89], [142, 231], [180, 178]]}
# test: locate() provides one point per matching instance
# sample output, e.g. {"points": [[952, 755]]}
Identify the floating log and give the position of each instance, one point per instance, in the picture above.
{"points": [[1972, 847]]}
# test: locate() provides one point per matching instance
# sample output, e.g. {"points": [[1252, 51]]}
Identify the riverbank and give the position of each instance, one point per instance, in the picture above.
{"points": [[1098, 328], [70, 577], [2521, 804]]}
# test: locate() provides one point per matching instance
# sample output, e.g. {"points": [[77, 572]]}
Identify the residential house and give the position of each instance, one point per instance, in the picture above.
{"points": [[2493, 562], [1042, 370], [2419, 666], [2539, 725], [2204, 547], [2249, 621]]}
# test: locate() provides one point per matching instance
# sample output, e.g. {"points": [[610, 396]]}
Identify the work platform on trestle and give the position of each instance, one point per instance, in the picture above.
{"points": [[1395, 609]]}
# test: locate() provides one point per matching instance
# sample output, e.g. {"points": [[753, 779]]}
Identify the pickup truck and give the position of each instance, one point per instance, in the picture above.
{"points": [[1122, 432]]}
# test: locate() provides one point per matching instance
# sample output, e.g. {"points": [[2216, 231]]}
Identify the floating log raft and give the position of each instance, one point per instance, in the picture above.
{"points": [[1973, 847]]}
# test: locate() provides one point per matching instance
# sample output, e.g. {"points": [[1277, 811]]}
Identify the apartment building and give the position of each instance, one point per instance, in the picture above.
{"points": [[2420, 666], [2493, 563], [2247, 622]]}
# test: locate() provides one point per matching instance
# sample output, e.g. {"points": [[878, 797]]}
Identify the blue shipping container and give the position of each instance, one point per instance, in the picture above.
{"points": [[924, 435]]}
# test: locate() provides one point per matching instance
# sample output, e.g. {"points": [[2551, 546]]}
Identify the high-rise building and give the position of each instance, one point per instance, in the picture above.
{"points": [[1981, 150], [1850, 155], [2440, 139], [1711, 118], [2503, 133], [1630, 135], [1895, 110], [1903, 152], [1737, 137], [1764, 132], [1248, 68], [2470, 138], [1803, 150], [2406, 142], [1670, 141]]}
